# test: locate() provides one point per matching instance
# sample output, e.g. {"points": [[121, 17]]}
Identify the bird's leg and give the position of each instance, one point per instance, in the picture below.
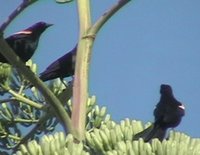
{"points": [[72, 79], [63, 82], [69, 83]]}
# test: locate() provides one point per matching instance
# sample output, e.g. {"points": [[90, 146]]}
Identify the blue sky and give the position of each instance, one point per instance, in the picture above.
{"points": [[145, 44]]}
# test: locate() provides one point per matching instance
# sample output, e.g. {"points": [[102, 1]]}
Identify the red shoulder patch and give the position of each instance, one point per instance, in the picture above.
{"points": [[23, 32]]}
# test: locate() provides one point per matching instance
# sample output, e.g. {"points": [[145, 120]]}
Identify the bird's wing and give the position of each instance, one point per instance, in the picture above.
{"points": [[143, 134], [57, 68], [51, 68], [57, 64]]}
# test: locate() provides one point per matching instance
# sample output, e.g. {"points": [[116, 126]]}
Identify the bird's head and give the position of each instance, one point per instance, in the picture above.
{"points": [[38, 27], [41, 25], [166, 89]]}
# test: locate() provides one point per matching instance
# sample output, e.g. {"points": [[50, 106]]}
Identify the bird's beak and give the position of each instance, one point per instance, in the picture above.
{"points": [[48, 25]]}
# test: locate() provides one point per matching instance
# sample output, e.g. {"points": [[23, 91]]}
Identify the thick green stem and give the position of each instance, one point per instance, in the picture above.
{"points": [[86, 40], [80, 90]]}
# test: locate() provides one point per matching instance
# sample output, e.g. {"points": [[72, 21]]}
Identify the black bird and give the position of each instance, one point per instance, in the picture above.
{"points": [[25, 42], [168, 114], [61, 68]]}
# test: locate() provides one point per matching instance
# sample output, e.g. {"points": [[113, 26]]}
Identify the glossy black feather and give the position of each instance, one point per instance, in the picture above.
{"points": [[25, 42], [168, 114], [61, 68]]}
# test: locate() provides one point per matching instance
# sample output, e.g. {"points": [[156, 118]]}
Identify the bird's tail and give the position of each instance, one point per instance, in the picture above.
{"points": [[151, 132]]}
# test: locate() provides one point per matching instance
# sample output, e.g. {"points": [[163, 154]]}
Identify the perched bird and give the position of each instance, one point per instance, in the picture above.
{"points": [[168, 114], [61, 68], [25, 42]]}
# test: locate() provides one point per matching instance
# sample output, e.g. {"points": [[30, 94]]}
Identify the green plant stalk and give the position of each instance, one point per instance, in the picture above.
{"points": [[21, 98], [80, 89], [20, 120], [87, 36], [26, 100], [50, 98], [12, 137], [21, 89]]}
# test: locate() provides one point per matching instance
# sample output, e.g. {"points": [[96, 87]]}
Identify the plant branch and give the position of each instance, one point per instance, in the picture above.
{"points": [[20, 120], [17, 11], [80, 89], [10, 136], [21, 98], [105, 17]]}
